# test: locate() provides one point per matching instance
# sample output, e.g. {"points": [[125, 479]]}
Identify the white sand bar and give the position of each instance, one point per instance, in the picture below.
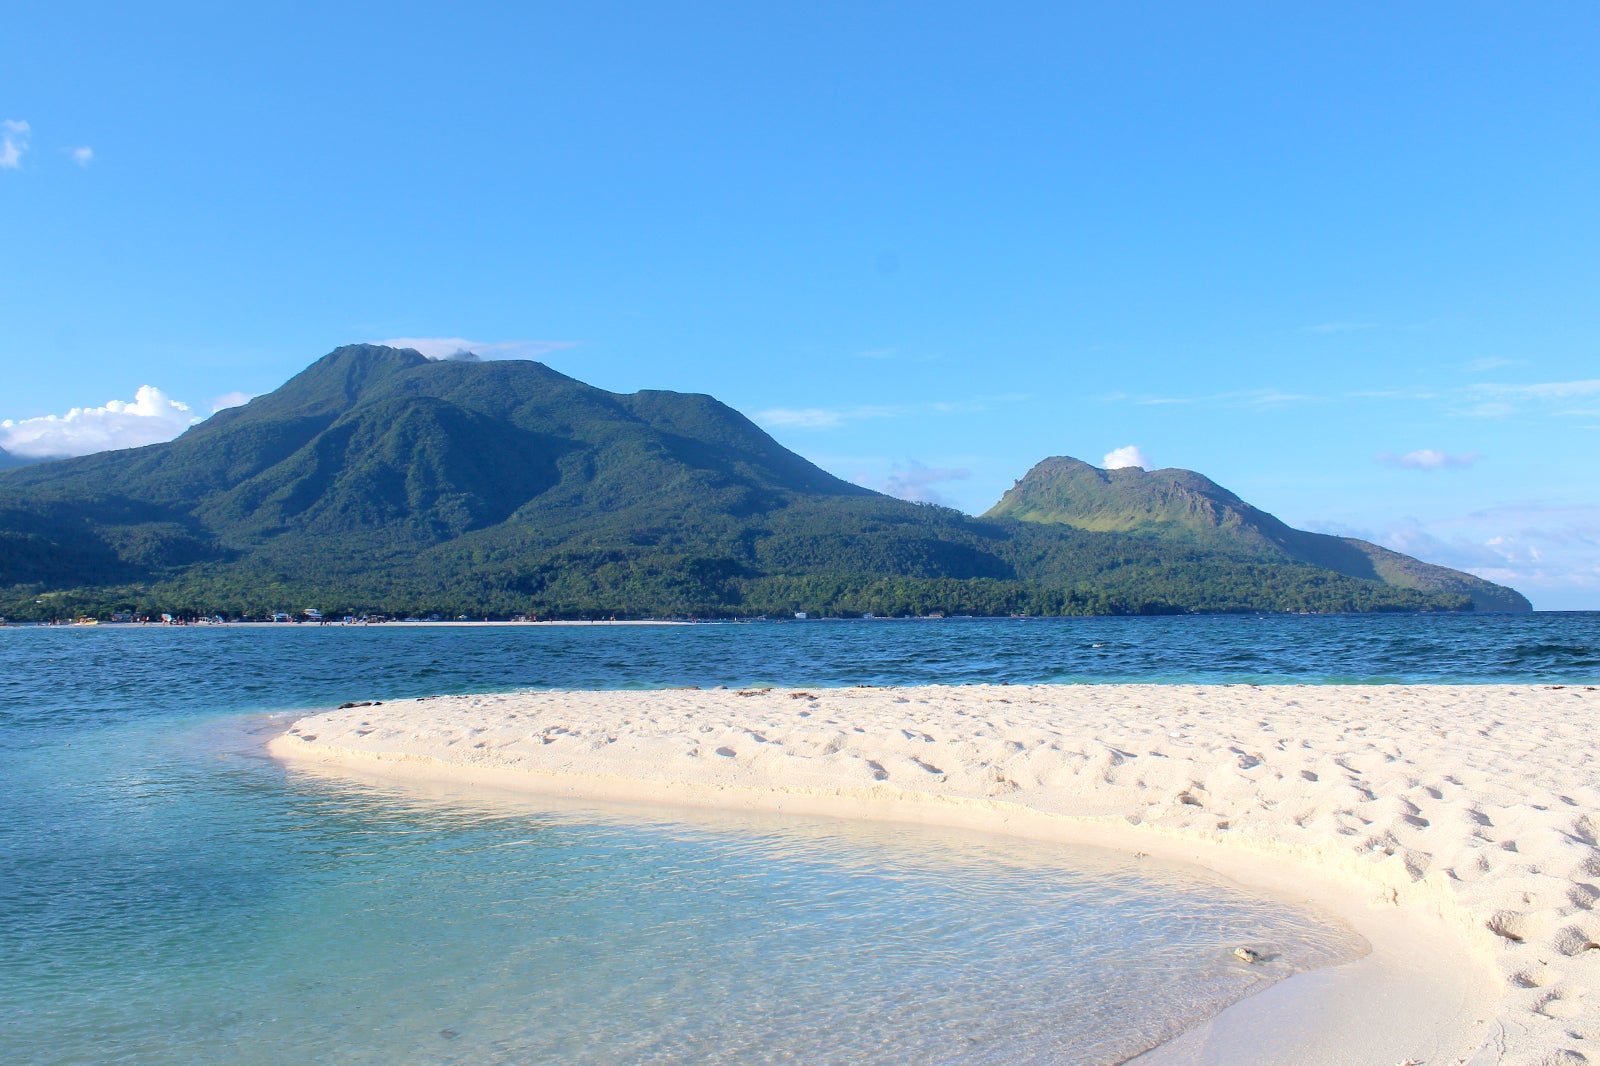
{"points": [[1454, 827]]}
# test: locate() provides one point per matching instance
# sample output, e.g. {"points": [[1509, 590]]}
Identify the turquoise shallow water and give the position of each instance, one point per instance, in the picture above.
{"points": [[169, 895]]}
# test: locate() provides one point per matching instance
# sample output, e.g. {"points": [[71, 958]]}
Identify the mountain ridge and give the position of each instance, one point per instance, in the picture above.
{"points": [[377, 479]]}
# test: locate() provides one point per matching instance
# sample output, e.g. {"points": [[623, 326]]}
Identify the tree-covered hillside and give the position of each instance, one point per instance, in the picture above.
{"points": [[380, 481], [1183, 507]]}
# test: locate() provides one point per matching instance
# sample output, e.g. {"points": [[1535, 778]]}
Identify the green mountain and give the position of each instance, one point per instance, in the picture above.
{"points": [[378, 480], [1181, 506]]}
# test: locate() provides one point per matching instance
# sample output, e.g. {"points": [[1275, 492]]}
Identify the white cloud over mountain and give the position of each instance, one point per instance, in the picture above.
{"points": [[1124, 457], [456, 347]]}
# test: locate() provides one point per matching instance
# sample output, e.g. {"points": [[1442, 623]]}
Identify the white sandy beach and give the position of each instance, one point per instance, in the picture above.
{"points": [[1454, 827]]}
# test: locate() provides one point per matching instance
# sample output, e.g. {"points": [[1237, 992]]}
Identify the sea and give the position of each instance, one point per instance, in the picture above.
{"points": [[168, 894]]}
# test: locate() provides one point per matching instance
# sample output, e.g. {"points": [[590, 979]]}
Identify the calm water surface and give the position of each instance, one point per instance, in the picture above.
{"points": [[169, 895]]}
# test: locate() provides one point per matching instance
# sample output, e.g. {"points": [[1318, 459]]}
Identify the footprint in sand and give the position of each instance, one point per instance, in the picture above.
{"points": [[1587, 830], [1576, 940]]}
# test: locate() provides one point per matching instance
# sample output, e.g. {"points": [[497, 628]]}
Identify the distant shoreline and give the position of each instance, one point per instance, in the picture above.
{"points": [[513, 622], [767, 620]]}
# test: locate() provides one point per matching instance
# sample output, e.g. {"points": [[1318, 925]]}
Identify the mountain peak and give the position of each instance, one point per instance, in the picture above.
{"points": [[365, 359], [1071, 492], [1181, 506]]}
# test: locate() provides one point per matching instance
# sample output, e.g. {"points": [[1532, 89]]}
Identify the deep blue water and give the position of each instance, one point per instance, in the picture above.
{"points": [[167, 894], [131, 671]]}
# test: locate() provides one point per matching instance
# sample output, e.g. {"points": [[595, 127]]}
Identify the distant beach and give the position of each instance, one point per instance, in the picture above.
{"points": [[1454, 827]]}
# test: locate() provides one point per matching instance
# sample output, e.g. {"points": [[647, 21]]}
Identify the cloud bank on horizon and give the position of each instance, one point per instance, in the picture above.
{"points": [[1544, 551], [151, 417]]}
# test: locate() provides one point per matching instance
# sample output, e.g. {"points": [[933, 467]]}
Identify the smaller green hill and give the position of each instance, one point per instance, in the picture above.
{"points": [[1181, 506]]}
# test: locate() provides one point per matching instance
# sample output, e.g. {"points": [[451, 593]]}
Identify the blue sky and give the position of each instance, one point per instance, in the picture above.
{"points": [[1341, 259]]}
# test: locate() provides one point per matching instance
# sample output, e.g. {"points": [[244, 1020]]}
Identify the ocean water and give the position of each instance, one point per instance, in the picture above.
{"points": [[168, 894]]}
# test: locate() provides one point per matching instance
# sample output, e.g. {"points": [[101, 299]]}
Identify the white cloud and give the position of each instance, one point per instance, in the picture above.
{"points": [[835, 417], [1548, 390], [230, 399], [1502, 400], [801, 417], [82, 155], [455, 347], [822, 417], [1430, 459], [13, 142], [1479, 366], [149, 418], [913, 480], [1258, 398], [1339, 327], [1269, 398], [1124, 457]]}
